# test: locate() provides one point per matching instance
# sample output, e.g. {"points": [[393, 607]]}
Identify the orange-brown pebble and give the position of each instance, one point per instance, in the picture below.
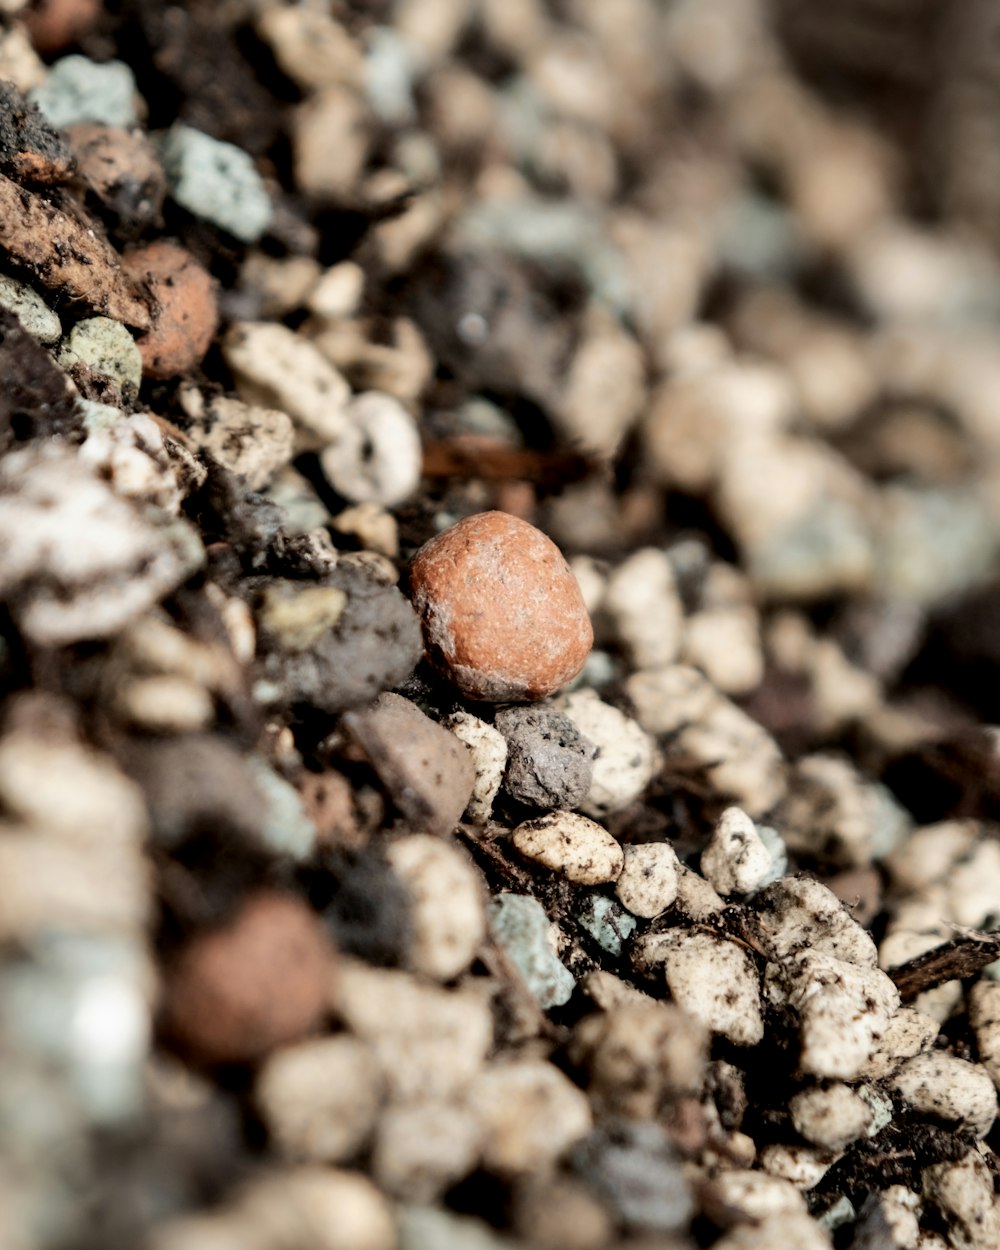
{"points": [[186, 319], [52, 24], [237, 993], [503, 615]]}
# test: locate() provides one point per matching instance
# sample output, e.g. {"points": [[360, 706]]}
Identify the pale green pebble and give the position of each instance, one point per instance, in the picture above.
{"points": [[607, 922], [287, 830], [98, 416], [881, 1108], [216, 181], [431, 1228], [30, 309], [106, 347], [840, 1213], [776, 848], [827, 550], [80, 90], [523, 930]]}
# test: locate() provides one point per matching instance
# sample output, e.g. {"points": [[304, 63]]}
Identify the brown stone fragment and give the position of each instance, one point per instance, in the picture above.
{"points": [[502, 613], [52, 24], [64, 255], [237, 993], [185, 322]]}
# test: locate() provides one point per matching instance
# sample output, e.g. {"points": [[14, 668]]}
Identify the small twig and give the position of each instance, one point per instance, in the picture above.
{"points": [[962, 957]]}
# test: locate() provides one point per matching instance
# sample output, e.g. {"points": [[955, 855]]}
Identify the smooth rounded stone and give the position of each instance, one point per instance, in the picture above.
{"points": [[447, 911], [639, 1056], [648, 881], [428, 1042], [735, 861], [571, 845], [607, 922], [830, 1116], [537, 632], [107, 347], [255, 443], [421, 1149], [724, 642], [216, 181], [635, 1168], [665, 699], [488, 748], [263, 980], [740, 1197], [525, 932], [625, 758], [80, 90], [644, 606], [30, 309], [276, 368], [604, 387], [374, 527], [949, 1089], [792, 1230], [964, 1192], [378, 458], [984, 1017], [529, 1114], [712, 979], [338, 292], [185, 313], [798, 912], [427, 770], [842, 1008], [320, 1099], [549, 761], [339, 1210], [739, 757]]}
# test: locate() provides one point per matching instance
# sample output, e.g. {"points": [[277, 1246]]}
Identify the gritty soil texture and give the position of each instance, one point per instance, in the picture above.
{"points": [[685, 315]]}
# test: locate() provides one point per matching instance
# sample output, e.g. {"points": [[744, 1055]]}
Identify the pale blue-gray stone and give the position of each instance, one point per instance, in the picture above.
{"points": [[523, 929], [607, 922], [215, 181], [77, 89]]}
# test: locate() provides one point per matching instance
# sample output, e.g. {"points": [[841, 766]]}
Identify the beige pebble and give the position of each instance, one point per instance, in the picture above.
{"points": [[375, 528], [984, 1016], [320, 1099], [423, 1148], [165, 704], [648, 881], [446, 904], [642, 602], [696, 900], [571, 845], [830, 1116], [337, 294], [331, 132], [725, 643], [803, 1166], [965, 1192], [948, 1088], [322, 1208], [791, 1231], [625, 759], [910, 1032], [254, 442], [665, 699], [740, 1197], [735, 861], [561, 1214], [739, 756], [311, 47], [798, 912]]}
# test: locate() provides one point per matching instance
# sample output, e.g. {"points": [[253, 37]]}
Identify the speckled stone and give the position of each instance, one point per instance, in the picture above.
{"points": [[573, 846], [187, 315], [503, 615]]}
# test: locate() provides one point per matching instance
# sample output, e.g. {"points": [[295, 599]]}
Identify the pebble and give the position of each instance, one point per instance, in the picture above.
{"points": [[635, 1168], [607, 922], [107, 347], [696, 900], [185, 315], [560, 1214], [164, 704], [437, 1228], [953, 1090], [525, 932], [625, 756], [741, 760], [529, 1113], [644, 606], [331, 135], [260, 982], [724, 642], [571, 845], [422, 1149], [712, 979], [447, 911], [320, 1099], [378, 458], [888, 1221], [964, 1191], [792, 1230], [256, 443], [284, 825], [667, 699], [123, 170], [215, 181], [80, 90], [803, 1166], [321, 1208], [830, 1116], [338, 291], [537, 633], [799, 912], [488, 748], [735, 861], [427, 770], [648, 881], [549, 761], [30, 309], [739, 1197], [276, 368], [311, 47], [984, 1017]]}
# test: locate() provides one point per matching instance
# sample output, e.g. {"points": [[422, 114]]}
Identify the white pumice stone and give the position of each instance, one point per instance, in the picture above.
{"points": [[735, 861], [830, 1117], [792, 1230], [710, 978], [888, 1221], [964, 1192], [571, 845], [984, 1016], [930, 852], [648, 882], [529, 1113], [488, 748], [320, 1099], [423, 1148], [744, 1197], [948, 1088], [642, 602], [696, 900], [667, 698], [739, 757], [625, 755], [803, 1166], [378, 457], [798, 912], [910, 1032], [447, 913], [724, 641]]}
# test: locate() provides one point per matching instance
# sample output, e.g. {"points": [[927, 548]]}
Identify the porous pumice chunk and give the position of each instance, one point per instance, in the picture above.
{"points": [[739, 757], [740, 1197], [377, 458], [625, 753], [529, 1113], [571, 845], [949, 1089], [488, 748], [831, 1117], [799, 912], [984, 1016], [320, 1099], [254, 442], [792, 1230], [910, 1032], [644, 606], [106, 347], [526, 934], [696, 900], [639, 1057], [447, 911], [964, 1191], [423, 1148], [803, 1166], [735, 861], [667, 698], [549, 761], [648, 881], [712, 979]]}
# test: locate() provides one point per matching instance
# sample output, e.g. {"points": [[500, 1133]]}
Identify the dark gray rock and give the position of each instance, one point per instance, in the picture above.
{"points": [[549, 762]]}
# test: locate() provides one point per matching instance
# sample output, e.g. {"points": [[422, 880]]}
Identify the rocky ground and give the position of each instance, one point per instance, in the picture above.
{"points": [[499, 620]]}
